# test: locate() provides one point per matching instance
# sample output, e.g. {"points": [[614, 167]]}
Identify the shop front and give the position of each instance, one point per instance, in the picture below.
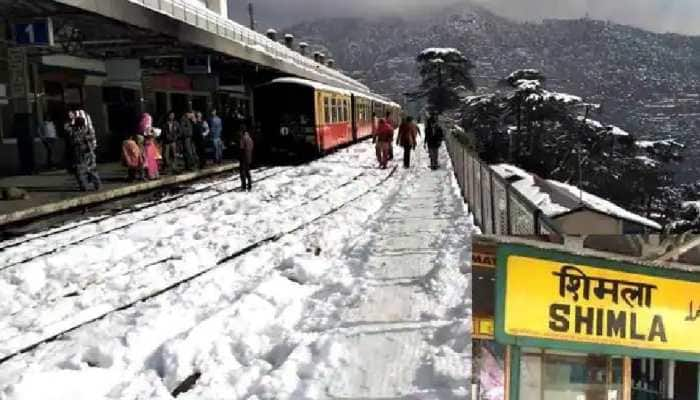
{"points": [[576, 327]]}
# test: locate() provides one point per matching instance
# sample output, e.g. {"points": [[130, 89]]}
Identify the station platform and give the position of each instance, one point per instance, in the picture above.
{"points": [[411, 335], [57, 191]]}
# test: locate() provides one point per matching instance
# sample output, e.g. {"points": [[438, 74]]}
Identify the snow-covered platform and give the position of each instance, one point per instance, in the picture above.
{"points": [[330, 280]]}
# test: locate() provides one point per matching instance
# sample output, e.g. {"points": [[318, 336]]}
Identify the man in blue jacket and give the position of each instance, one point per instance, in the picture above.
{"points": [[216, 127]]}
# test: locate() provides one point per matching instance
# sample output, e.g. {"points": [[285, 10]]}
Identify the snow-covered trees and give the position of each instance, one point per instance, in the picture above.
{"points": [[444, 72], [554, 135]]}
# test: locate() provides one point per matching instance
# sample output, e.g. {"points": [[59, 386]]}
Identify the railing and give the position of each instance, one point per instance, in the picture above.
{"points": [[212, 22], [498, 208]]}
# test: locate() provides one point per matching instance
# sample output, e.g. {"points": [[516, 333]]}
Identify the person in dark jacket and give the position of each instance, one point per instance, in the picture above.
{"points": [[246, 159], [377, 147], [185, 139], [216, 126], [385, 138], [389, 121], [434, 136], [200, 135], [85, 162], [407, 138], [169, 138], [68, 143]]}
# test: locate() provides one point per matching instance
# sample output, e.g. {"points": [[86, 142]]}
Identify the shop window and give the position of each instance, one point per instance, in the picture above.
{"points": [[73, 96], [548, 375]]}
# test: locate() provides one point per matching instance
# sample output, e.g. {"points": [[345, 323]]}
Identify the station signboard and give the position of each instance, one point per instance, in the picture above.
{"points": [[555, 300], [197, 65], [37, 32]]}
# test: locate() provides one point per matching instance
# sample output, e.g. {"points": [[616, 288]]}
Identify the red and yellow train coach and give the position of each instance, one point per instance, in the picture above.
{"points": [[299, 116]]}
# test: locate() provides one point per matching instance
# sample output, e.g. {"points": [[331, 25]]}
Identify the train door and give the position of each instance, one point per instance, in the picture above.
{"points": [[354, 117]]}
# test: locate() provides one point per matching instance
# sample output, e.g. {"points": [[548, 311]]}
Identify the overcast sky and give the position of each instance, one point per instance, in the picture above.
{"points": [[681, 16]]}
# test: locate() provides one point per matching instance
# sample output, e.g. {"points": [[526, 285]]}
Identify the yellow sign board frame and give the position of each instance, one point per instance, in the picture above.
{"points": [[576, 303]]}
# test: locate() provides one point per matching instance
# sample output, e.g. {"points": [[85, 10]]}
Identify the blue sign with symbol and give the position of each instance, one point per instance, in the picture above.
{"points": [[34, 33]]}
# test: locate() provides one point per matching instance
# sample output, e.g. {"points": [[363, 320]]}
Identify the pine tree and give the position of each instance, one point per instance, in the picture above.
{"points": [[443, 72], [545, 132]]}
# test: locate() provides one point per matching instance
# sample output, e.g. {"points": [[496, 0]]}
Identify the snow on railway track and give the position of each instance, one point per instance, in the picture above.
{"points": [[25, 250], [268, 321], [80, 283]]}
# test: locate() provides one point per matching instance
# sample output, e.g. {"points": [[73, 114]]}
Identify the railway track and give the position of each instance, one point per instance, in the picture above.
{"points": [[118, 274], [140, 207], [130, 223], [14, 351]]}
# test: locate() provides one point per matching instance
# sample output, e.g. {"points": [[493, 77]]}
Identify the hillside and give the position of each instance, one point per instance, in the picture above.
{"points": [[647, 82]]}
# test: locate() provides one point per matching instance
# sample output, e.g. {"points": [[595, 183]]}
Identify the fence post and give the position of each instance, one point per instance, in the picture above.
{"points": [[493, 203], [508, 216], [537, 214], [481, 198]]}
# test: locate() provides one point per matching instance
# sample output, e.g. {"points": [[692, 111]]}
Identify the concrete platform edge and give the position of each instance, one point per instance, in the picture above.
{"points": [[101, 197]]}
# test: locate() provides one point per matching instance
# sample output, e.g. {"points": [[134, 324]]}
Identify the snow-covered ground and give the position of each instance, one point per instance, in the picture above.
{"points": [[357, 289]]}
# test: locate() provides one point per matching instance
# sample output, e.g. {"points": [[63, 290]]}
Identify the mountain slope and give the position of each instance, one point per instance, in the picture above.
{"points": [[648, 83]]}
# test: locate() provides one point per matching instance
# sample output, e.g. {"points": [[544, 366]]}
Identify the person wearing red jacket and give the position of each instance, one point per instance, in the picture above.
{"points": [[408, 137], [385, 137], [390, 121]]}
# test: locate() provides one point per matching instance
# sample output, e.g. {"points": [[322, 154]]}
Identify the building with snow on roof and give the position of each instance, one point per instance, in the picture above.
{"points": [[573, 210]]}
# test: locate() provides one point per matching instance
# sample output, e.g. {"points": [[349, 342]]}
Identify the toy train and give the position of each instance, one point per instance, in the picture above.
{"points": [[307, 118]]}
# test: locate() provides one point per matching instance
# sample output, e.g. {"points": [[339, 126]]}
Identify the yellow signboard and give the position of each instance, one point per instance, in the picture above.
{"points": [[579, 303], [483, 328]]}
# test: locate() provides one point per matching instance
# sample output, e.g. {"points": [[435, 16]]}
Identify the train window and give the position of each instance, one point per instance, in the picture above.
{"points": [[327, 109], [334, 110], [345, 111]]}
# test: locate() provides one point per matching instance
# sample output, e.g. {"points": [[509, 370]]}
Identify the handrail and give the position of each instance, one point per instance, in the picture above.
{"points": [[494, 214], [234, 31]]}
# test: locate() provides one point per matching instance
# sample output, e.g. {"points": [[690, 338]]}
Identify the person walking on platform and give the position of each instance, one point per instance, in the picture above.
{"points": [[92, 134], [68, 141], [200, 134], [185, 139], [385, 137], [246, 160], [388, 119], [47, 133], [434, 136], [377, 147], [169, 137], [408, 136], [216, 126], [85, 163]]}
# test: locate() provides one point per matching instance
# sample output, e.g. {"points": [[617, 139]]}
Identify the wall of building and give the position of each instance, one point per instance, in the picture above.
{"points": [[590, 223]]}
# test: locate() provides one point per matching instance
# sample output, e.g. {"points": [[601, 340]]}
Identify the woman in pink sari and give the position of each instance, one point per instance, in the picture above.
{"points": [[151, 153]]}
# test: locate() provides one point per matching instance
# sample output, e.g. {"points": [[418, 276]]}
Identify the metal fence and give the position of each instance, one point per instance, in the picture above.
{"points": [[498, 208], [212, 22]]}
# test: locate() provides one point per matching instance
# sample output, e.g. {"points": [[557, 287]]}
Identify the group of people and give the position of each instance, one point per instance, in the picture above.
{"points": [[151, 148], [144, 152], [407, 138]]}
